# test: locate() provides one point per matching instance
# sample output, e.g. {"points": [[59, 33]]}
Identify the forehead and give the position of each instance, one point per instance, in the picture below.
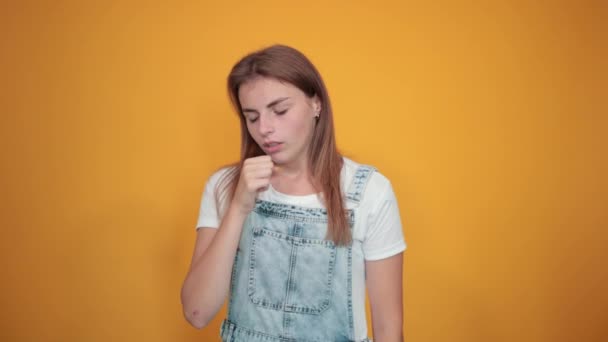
{"points": [[262, 90]]}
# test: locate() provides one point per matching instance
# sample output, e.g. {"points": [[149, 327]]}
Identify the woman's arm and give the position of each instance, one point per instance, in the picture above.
{"points": [[384, 283], [208, 281]]}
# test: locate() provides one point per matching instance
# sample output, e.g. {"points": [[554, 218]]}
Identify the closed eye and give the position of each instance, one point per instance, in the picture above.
{"points": [[254, 119]]}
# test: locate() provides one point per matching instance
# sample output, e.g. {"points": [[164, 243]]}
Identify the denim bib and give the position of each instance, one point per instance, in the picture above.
{"points": [[288, 282]]}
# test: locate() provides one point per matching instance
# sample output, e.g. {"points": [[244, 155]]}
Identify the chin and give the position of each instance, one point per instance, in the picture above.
{"points": [[280, 158], [277, 160]]}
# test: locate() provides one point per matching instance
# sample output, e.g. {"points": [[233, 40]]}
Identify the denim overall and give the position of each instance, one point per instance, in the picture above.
{"points": [[288, 282]]}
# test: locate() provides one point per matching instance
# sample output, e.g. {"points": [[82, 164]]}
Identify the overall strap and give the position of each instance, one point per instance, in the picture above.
{"points": [[357, 185]]}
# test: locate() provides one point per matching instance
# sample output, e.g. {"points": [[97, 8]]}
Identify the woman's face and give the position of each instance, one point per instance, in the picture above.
{"points": [[280, 118]]}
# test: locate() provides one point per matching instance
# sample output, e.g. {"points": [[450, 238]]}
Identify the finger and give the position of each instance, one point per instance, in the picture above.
{"points": [[259, 173], [259, 166], [259, 159], [260, 185], [254, 161]]}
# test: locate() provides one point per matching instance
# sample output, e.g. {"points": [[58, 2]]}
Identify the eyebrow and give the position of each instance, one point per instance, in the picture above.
{"points": [[273, 103]]}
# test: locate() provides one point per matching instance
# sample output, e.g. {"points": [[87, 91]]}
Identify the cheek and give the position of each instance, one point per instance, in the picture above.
{"points": [[252, 131], [300, 124], [251, 128], [305, 127]]}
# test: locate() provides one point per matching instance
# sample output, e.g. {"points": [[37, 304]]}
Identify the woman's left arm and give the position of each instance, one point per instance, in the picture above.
{"points": [[384, 283]]}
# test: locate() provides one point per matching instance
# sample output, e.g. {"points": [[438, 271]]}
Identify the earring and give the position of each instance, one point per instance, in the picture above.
{"points": [[317, 115]]}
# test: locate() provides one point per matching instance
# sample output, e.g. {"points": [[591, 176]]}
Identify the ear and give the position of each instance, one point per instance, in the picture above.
{"points": [[316, 104]]}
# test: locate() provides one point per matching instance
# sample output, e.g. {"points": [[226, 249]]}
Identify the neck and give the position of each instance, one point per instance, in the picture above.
{"points": [[294, 178], [295, 170]]}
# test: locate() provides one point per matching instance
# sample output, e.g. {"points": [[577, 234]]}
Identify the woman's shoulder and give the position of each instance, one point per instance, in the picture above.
{"points": [[220, 173]]}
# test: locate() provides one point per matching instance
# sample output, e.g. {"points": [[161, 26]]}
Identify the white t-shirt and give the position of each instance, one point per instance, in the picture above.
{"points": [[377, 233]]}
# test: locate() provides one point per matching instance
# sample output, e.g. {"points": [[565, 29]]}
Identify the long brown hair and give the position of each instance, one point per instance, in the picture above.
{"points": [[325, 162]]}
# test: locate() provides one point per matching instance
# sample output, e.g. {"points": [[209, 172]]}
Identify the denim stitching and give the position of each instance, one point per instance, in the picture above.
{"points": [[231, 332], [292, 264], [316, 215], [232, 279], [295, 213], [349, 279], [360, 179], [298, 241]]}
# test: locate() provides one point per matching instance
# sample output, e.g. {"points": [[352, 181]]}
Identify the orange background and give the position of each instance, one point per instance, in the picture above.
{"points": [[490, 120]]}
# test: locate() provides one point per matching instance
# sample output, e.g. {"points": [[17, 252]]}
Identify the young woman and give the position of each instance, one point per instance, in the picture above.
{"points": [[294, 232]]}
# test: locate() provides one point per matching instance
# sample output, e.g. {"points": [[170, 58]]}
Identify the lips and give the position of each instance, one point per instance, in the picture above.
{"points": [[272, 147], [271, 144]]}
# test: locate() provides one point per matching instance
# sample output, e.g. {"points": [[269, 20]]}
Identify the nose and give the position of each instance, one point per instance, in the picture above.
{"points": [[266, 125]]}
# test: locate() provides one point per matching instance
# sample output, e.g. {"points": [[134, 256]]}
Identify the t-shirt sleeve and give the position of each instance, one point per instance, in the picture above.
{"points": [[384, 234], [208, 213]]}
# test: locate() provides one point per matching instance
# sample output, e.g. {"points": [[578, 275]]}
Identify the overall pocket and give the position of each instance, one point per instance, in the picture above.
{"points": [[291, 273]]}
